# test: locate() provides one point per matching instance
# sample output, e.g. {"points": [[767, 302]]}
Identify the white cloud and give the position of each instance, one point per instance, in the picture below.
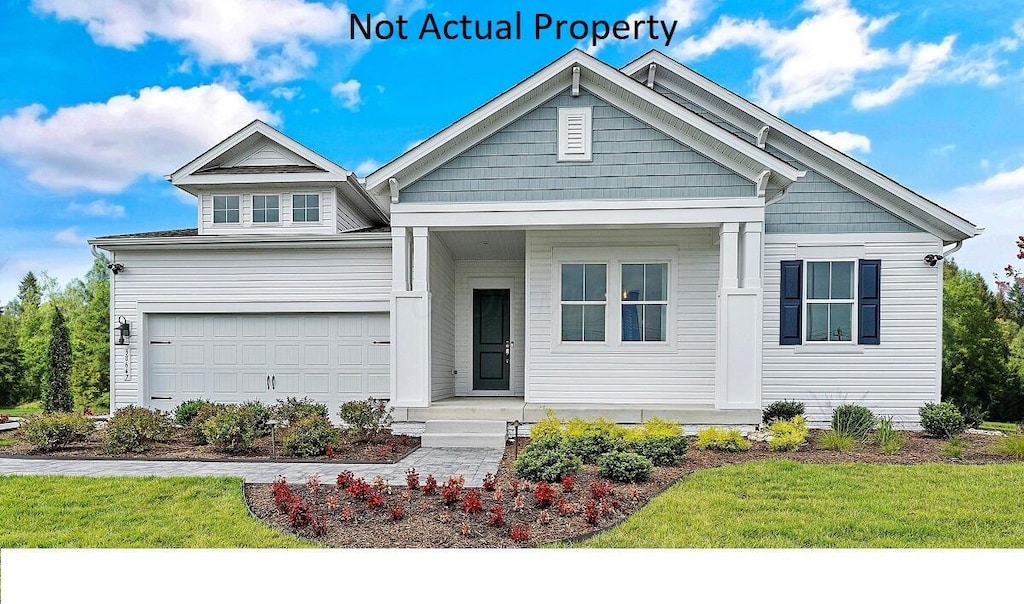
{"points": [[847, 142], [267, 39], [106, 146], [367, 166], [943, 150], [63, 263], [683, 12], [348, 92], [69, 236], [923, 63], [285, 92], [100, 207]]}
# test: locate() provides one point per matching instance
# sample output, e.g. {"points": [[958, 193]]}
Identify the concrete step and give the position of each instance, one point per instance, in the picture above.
{"points": [[467, 426], [463, 440]]}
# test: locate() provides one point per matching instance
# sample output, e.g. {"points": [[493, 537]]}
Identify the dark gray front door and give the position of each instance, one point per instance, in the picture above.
{"points": [[491, 345]]}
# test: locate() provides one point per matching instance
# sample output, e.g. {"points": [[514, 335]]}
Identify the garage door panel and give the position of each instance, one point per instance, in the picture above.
{"points": [[163, 355], [377, 355], [254, 354], [350, 354], [348, 328], [225, 327], [192, 383], [190, 327], [316, 327], [254, 327], [316, 354], [316, 383], [225, 354], [378, 326], [192, 354], [378, 385], [286, 354], [286, 327], [350, 384], [225, 383]]}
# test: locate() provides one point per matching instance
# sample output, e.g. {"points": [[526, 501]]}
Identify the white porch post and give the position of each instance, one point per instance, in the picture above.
{"points": [[410, 319], [738, 361]]}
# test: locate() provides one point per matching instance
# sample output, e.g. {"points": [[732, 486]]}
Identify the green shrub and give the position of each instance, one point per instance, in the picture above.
{"points": [[261, 415], [954, 448], [54, 430], [788, 435], [661, 450], [310, 436], [653, 427], [853, 420], [721, 439], [368, 420], [185, 412], [623, 466], [887, 438], [942, 419], [131, 429], [292, 409], [547, 460], [549, 426], [196, 427], [785, 410], [589, 440], [1011, 444], [836, 441], [233, 429]]}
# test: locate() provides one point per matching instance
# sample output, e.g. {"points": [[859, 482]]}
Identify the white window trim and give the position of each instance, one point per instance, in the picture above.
{"points": [[320, 208], [669, 317], [213, 210], [252, 209], [806, 301], [564, 113]]}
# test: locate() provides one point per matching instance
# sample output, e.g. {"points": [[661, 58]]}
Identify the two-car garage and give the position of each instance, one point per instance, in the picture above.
{"points": [[329, 357]]}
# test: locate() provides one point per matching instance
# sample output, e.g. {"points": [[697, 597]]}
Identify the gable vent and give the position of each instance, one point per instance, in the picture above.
{"points": [[574, 133]]}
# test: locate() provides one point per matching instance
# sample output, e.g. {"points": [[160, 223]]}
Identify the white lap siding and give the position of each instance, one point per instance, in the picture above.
{"points": [[893, 378], [239, 281], [679, 371]]}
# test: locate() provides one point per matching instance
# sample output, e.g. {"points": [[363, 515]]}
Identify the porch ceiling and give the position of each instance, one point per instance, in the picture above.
{"points": [[485, 245]]}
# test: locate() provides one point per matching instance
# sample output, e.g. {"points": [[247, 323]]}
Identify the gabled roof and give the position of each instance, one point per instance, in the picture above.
{"points": [[601, 80], [261, 154], [832, 163]]}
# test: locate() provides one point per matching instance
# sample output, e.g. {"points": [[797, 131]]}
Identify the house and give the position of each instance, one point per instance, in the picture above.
{"points": [[601, 242]]}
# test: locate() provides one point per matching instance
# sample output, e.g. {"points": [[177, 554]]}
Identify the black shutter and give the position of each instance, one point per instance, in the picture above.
{"points": [[791, 302], [869, 301]]}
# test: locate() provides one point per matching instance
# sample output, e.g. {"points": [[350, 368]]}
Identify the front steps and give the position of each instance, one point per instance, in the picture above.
{"points": [[453, 433]]}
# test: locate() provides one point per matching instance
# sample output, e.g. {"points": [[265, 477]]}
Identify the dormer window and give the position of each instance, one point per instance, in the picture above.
{"points": [[266, 208], [306, 207], [226, 209]]}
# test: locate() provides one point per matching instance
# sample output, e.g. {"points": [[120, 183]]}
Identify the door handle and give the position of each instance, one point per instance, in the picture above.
{"points": [[273, 382], [268, 382], [508, 351]]}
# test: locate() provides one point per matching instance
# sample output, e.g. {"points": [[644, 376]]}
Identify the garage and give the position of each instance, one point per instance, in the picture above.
{"points": [[329, 357]]}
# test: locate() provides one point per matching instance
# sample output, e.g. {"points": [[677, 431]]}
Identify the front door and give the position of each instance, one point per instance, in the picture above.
{"points": [[491, 344]]}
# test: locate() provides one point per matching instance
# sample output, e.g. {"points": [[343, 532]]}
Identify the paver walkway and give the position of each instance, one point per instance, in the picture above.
{"points": [[442, 463]]}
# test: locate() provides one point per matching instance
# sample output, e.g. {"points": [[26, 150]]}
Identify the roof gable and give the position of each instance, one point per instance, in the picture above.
{"points": [[579, 70], [684, 85]]}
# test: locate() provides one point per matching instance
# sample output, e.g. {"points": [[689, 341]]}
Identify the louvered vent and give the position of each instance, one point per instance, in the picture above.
{"points": [[574, 133]]}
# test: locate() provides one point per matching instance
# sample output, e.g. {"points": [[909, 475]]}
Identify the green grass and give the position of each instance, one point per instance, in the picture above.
{"points": [[788, 504], [61, 511], [1001, 426], [36, 407]]}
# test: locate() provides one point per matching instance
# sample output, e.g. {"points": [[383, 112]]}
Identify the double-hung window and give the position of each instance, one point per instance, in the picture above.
{"points": [[306, 207], [266, 208], [584, 302], [830, 301], [226, 209], [644, 302]]}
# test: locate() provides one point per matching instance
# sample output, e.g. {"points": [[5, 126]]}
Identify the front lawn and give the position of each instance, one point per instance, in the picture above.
{"points": [[61, 511], [36, 407], [790, 504]]}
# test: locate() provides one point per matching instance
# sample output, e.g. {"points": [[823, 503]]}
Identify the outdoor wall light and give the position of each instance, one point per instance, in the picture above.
{"points": [[123, 331]]}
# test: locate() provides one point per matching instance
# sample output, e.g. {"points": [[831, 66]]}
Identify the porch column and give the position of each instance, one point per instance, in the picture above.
{"points": [[410, 318], [738, 359]]}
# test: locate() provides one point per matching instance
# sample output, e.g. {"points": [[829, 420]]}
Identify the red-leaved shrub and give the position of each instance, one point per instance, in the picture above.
{"points": [[496, 517], [430, 485], [544, 495], [298, 513], [565, 508], [519, 532], [332, 502], [345, 479], [471, 503], [515, 485], [412, 479], [591, 512], [450, 491], [568, 482], [600, 489], [282, 494], [374, 500], [490, 482], [329, 452], [397, 512], [358, 489]]}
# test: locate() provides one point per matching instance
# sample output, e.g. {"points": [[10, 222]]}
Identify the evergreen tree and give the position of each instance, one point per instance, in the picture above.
{"points": [[58, 392], [10, 362], [29, 293], [32, 344], [90, 337]]}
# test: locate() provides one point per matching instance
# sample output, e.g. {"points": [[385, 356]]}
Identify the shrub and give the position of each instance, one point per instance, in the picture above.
{"points": [[853, 420], [298, 513], [785, 410], [548, 460], [397, 512], [430, 485], [887, 438], [54, 430], [282, 494], [233, 429], [835, 441], [591, 512], [292, 409], [721, 439], [589, 440], [519, 532], [625, 467], [132, 428], [412, 479], [1011, 444], [450, 491], [185, 412], [662, 450], [344, 479], [788, 435], [547, 427], [568, 483], [358, 489], [496, 517], [368, 420], [374, 500], [954, 448], [309, 437], [543, 495], [472, 503], [261, 415], [942, 419], [600, 489], [653, 427], [206, 412], [490, 482]]}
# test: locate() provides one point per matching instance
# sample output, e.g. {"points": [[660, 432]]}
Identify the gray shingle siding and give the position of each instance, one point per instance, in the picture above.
{"points": [[631, 160]]}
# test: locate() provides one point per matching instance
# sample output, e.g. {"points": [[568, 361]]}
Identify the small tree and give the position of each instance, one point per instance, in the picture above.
{"points": [[10, 362], [58, 394]]}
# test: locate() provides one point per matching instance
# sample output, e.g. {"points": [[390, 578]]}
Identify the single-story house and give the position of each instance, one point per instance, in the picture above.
{"points": [[624, 243]]}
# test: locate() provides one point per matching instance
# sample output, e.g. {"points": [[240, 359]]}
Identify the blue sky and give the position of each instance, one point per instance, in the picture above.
{"points": [[100, 99]]}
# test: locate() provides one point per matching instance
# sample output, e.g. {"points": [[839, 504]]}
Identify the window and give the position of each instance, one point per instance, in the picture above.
{"points": [[644, 302], [829, 301], [574, 133], [266, 208], [306, 207], [584, 301], [225, 209]]}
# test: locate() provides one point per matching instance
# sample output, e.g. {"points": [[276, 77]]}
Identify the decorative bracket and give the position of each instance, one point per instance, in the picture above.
{"points": [[575, 80], [393, 185], [762, 136], [762, 182], [650, 75]]}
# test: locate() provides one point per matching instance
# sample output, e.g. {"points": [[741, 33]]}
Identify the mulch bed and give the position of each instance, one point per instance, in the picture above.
{"points": [[341, 520], [180, 447]]}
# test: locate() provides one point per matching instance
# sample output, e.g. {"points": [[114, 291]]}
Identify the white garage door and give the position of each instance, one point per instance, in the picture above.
{"points": [[331, 358]]}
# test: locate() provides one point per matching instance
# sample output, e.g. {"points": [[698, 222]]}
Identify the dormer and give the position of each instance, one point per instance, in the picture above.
{"points": [[259, 181]]}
